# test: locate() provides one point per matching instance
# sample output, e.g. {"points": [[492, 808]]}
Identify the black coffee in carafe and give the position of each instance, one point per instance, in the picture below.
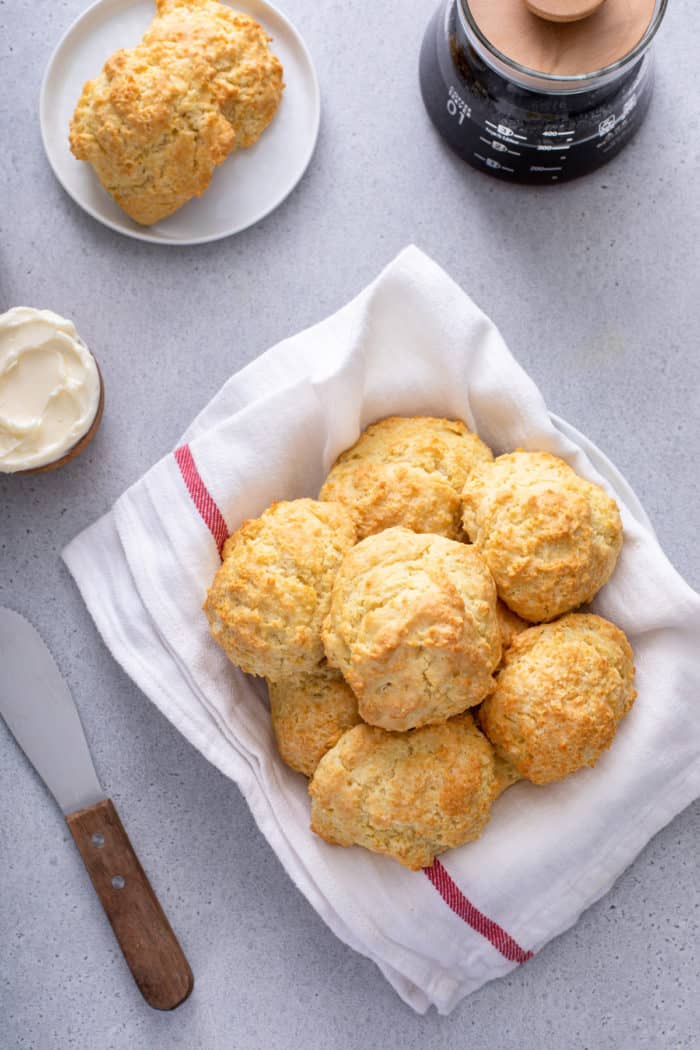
{"points": [[520, 124]]}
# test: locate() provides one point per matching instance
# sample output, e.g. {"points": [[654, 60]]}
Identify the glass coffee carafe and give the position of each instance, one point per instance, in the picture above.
{"points": [[522, 125]]}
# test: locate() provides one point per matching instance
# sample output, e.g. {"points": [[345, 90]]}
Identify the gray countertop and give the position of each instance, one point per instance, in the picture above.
{"points": [[594, 287]]}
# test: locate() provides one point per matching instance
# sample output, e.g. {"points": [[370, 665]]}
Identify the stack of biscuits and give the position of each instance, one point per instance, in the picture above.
{"points": [[161, 116], [417, 629]]}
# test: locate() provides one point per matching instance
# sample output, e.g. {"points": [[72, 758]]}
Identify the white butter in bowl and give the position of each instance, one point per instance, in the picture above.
{"points": [[50, 391]]}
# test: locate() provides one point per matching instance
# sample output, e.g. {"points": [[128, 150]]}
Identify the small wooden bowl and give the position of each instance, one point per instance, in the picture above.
{"points": [[80, 445]]}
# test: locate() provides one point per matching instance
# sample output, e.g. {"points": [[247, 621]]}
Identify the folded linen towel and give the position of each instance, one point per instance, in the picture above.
{"points": [[411, 343]]}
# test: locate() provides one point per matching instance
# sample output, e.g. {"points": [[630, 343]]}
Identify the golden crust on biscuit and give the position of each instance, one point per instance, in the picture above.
{"points": [[407, 471], [246, 77], [408, 795], [558, 700], [509, 624], [309, 715], [506, 774], [152, 129], [268, 599], [161, 116], [412, 627], [550, 538]]}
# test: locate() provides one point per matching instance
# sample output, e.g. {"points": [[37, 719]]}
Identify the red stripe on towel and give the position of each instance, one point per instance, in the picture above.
{"points": [[462, 906], [441, 880], [201, 497]]}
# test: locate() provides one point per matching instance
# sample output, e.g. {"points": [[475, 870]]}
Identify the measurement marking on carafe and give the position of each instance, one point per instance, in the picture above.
{"points": [[607, 125], [457, 107], [551, 147], [494, 164], [552, 133], [499, 146], [504, 131], [541, 167]]}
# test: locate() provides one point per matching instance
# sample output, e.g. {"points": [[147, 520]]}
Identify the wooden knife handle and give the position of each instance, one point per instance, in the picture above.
{"points": [[145, 936]]}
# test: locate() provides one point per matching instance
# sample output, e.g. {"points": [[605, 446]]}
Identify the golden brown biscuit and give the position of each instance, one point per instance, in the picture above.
{"points": [[246, 76], [409, 795], [558, 700], [268, 599], [506, 774], [160, 117], [412, 627], [152, 129], [550, 538], [309, 715], [407, 471], [509, 624]]}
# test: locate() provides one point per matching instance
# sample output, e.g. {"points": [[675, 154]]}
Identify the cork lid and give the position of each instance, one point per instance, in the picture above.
{"points": [[563, 10], [563, 37]]}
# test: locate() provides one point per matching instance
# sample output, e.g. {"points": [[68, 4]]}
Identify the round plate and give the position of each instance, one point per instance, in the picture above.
{"points": [[247, 186]]}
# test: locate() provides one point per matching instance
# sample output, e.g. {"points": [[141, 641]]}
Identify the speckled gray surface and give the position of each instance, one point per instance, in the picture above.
{"points": [[594, 286]]}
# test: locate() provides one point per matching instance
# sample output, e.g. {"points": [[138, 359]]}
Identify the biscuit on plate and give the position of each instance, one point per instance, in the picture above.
{"points": [[558, 700], [407, 471], [246, 77], [550, 538], [151, 127], [409, 795], [270, 595], [413, 628], [310, 713], [161, 116]]}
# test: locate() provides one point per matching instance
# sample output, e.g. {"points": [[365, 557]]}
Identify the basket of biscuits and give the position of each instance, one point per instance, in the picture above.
{"points": [[424, 632]]}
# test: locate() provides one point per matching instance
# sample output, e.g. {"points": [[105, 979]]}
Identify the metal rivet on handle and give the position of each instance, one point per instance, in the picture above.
{"points": [[118, 882], [98, 839]]}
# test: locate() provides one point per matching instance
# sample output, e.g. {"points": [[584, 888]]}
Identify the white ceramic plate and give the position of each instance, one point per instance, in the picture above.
{"points": [[247, 186]]}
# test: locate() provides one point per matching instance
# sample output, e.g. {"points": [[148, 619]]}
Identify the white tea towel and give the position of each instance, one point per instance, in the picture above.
{"points": [[411, 343]]}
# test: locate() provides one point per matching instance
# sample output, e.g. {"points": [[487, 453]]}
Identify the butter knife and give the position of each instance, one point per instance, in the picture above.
{"points": [[36, 704]]}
